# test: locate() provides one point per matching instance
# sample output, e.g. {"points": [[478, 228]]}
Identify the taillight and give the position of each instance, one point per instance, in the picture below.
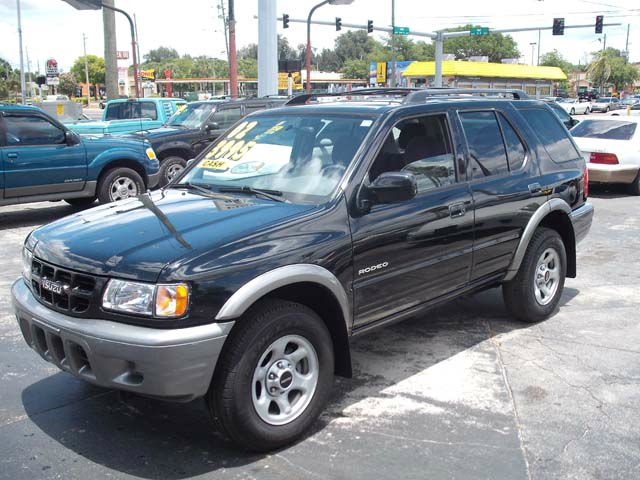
{"points": [[586, 183], [606, 158]]}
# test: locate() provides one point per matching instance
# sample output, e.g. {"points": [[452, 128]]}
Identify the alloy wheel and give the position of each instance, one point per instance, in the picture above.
{"points": [[122, 188], [547, 276]]}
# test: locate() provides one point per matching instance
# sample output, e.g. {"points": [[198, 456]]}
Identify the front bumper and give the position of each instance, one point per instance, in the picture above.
{"points": [[581, 218], [602, 173], [175, 364], [153, 180]]}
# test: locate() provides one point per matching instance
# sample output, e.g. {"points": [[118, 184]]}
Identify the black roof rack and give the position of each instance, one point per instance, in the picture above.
{"points": [[380, 92], [425, 93]]}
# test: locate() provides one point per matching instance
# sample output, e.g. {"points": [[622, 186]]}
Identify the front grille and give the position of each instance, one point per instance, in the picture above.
{"points": [[79, 291]]}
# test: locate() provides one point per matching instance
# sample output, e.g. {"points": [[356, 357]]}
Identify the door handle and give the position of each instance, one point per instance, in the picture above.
{"points": [[535, 188], [12, 155], [457, 210]]}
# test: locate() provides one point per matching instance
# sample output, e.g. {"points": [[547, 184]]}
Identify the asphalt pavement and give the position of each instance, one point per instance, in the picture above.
{"points": [[463, 392]]}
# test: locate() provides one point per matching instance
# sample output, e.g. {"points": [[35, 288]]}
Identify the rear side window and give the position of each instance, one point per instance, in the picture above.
{"points": [[148, 110], [486, 149], [515, 149], [550, 131], [114, 111], [607, 129]]}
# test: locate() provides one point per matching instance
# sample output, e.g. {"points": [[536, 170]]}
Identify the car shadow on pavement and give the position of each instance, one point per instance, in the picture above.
{"points": [[155, 439]]}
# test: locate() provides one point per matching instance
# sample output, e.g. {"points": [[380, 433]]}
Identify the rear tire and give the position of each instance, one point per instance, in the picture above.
{"points": [[170, 167], [634, 187], [120, 183], [587, 111], [534, 293], [573, 111], [81, 202], [275, 343]]}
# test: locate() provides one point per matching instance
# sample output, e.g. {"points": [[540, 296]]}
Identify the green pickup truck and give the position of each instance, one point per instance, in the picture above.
{"points": [[130, 115]]}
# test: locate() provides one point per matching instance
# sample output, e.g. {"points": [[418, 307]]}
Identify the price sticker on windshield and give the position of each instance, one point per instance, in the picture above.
{"points": [[219, 165]]}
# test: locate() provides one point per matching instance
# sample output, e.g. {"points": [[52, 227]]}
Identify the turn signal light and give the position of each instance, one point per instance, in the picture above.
{"points": [[172, 300], [605, 158]]}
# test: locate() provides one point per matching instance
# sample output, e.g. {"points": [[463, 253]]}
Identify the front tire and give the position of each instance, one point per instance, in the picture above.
{"points": [[120, 183], [587, 111], [171, 167], [534, 293], [274, 376], [634, 187], [573, 111]]}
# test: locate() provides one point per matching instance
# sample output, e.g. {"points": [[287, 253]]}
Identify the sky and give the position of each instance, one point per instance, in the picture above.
{"points": [[53, 29]]}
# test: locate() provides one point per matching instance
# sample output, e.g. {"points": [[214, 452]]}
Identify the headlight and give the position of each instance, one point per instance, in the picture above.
{"points": [[27, 259], [151, 155], [146, 299]]}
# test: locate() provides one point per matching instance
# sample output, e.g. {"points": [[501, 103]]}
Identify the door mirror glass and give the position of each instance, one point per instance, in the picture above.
{"points": [[72, 138], [393, 187]]}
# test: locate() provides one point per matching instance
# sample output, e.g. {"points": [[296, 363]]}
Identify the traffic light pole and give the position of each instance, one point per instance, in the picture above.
{"points": [[440, 36], [136, 79]]}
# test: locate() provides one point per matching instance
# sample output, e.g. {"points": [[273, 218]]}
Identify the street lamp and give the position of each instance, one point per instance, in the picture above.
{"points": [[308, 56], [533, 49], [97, 5]]}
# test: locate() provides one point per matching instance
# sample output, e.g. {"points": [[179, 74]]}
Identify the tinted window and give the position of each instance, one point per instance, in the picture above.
{"points": [[422, 147], [488, 156], [32, 130], [254, 108], [148, 110], [551, 133], [609, 129], [561, 113], [515, 148], [227, 117], [115, 111]]}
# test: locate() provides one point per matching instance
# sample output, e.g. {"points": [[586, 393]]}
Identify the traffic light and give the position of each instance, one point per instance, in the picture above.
{"points": [[369, 26], [599, 23], [338, 24], [558, 26], [285, 21]]}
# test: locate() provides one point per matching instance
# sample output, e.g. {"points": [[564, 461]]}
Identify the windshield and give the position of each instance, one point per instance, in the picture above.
{"points": [[302, 156], [192, 115], [607, 129]]}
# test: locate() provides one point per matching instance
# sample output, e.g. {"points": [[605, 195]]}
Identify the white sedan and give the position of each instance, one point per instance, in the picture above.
{"points": [[574, 106], [611, 148]]}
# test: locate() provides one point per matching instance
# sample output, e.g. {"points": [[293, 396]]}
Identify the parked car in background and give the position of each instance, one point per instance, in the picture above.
{"points": [[588, 94], [611, 147], [574, 106], [130, 115], [605, 104], [193, 128], [629, 110], [41, 159]]}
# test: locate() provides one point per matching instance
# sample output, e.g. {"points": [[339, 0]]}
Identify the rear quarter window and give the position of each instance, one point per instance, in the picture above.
{"points": [[552, 134]]}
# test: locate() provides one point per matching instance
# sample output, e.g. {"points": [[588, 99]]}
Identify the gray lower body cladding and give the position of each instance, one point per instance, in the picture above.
{"points": [[175, 364]]}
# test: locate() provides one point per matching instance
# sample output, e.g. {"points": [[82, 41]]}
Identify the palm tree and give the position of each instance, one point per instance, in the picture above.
{"points": [[599, 70]]}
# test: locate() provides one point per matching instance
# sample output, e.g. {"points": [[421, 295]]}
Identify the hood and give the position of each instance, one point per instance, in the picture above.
{"points": [[137, 238], [88, 127], [102, 142], [155, 134]]}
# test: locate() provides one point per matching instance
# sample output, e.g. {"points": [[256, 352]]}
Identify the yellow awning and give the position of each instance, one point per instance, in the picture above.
{"points": [[484, 69]]}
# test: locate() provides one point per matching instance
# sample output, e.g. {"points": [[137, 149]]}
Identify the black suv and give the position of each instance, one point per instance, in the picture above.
{"points": [[195, 126], [245, 278]]}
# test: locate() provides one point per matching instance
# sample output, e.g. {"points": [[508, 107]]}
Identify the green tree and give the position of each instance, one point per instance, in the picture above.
{"points": [[161, 54], [555, 59], [610, 68], [354, 68], [248, 51], [96, 69], [354, 45], [495, 46], [248, 68], [68, 84]]}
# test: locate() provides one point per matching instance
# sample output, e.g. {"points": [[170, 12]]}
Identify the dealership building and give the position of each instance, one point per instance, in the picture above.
{"points": [[537, 81]]}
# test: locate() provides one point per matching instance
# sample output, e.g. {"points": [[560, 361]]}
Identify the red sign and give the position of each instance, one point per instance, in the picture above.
{"points": [[52, 68], [167, 73]]}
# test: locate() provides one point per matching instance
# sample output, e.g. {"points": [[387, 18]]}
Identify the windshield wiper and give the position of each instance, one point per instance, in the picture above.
{"points": [[204, 189], [274, 195]]}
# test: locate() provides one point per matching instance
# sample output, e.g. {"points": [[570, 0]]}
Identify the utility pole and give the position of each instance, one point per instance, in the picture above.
{"points": [[135, 24], [626, 45], [23, 83], [393, 44], [233, 65], [29, 73], [539, 35], [110, 61], [533, 49], [86, 69], [267, 48], [225, 26]]}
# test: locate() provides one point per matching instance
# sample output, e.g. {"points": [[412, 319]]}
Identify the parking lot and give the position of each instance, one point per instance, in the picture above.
{"points": [[465, 392]]}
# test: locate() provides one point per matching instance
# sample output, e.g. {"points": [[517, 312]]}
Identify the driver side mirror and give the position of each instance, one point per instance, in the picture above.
{"points": [[212, 126], [71, 138], [393, 187]]}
